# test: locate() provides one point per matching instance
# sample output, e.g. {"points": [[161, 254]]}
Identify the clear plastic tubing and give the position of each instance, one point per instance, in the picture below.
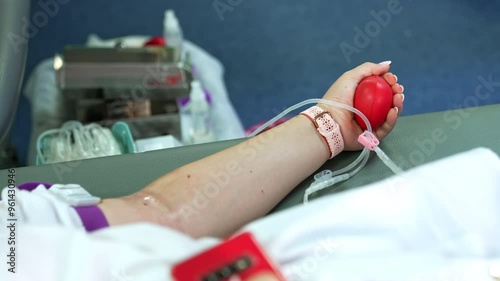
{"points": [[364, 154]]}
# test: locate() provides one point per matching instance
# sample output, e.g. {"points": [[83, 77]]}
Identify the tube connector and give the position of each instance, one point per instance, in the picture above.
{"points": [[368, 140], [322, 180]]}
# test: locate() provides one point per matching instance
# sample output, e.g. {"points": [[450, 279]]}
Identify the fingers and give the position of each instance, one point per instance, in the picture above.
{"points": [[392, 116], [381, 69], [398, 97], [390, 122], [397, 89], [368, 69], [397, 101], [390, 78]]}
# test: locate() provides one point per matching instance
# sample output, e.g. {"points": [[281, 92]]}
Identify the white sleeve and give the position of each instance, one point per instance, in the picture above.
{"points": [[38, 207], [440, 221], [49, 242], [138, 252]]}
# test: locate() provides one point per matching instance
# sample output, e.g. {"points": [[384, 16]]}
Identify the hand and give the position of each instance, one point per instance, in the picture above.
{"points": [[343, 91]]}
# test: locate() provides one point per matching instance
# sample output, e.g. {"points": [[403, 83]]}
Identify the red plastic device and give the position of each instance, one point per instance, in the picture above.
{"points": [[373, 97], [237, 258], [157, 41]]}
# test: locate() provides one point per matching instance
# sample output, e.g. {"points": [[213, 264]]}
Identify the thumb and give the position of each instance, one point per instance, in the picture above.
{"points": [[369, 69]]}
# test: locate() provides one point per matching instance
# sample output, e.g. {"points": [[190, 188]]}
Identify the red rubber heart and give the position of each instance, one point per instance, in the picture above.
{"points": [[373, 97]]}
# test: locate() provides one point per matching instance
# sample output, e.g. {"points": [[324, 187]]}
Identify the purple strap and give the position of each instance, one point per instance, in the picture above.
{"points": [[30, 186], [92, 217]]}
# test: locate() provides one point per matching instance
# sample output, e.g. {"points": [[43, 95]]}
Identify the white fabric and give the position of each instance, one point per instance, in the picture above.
{"points": [[440, 221], [432, 220], [40, 207], [46, 101]]}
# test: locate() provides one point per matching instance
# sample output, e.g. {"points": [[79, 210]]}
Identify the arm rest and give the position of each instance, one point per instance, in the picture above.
{"points": [[416, 140], [13, 49]]}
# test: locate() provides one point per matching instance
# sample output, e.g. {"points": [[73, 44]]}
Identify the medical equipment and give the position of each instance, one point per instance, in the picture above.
{"points": [[74, 194], [328, 178], [157, 143], [201, 127], [173, 33], [156, 41], [75, 141], [137, 85]]}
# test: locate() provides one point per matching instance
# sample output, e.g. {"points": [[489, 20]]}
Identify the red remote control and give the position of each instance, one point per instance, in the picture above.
{"points": [[373, 97]]}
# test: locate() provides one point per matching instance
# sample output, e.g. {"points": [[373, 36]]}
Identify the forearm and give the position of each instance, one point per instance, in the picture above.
{"points": [[218, 194]]}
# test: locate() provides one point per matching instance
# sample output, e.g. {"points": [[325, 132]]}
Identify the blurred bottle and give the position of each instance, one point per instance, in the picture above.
{"points": [[173, 33], [201, 130]]}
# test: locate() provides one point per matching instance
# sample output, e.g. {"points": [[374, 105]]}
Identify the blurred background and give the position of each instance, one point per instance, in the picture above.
{"points": [[277, 53]]}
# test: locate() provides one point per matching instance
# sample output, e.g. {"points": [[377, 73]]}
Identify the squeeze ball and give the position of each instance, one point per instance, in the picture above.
{"points": [[373, 97]]}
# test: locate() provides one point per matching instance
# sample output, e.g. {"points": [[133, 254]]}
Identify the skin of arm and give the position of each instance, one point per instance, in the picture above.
{"points": [[217, 195]]}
